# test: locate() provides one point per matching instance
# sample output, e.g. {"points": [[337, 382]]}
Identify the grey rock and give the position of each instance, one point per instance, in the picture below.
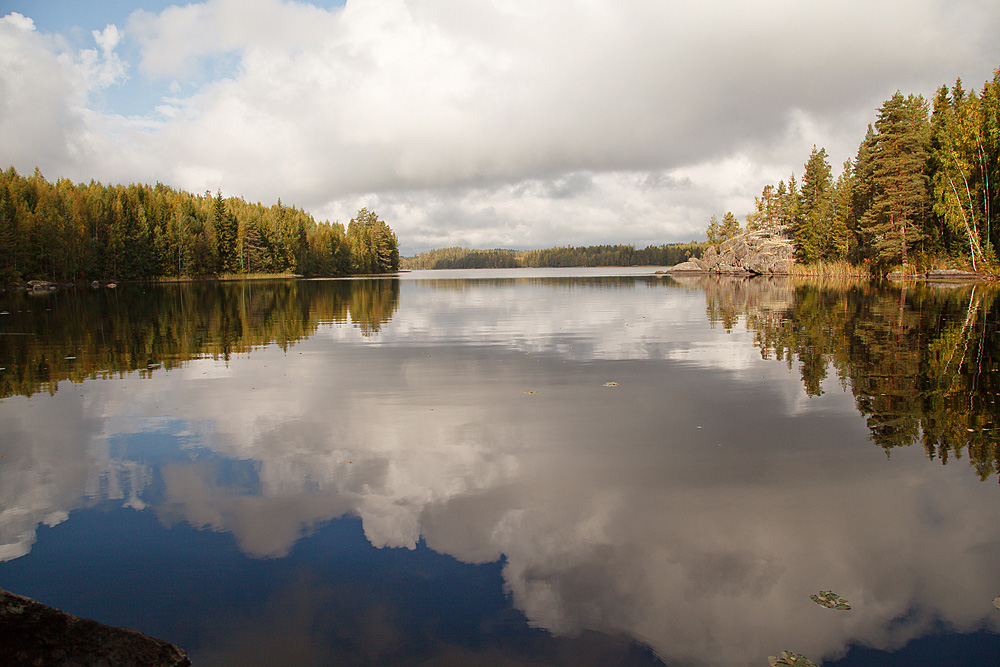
{"points": [[766, 252], [950, 274], [691, 266], [710, 258], [32, 633]]}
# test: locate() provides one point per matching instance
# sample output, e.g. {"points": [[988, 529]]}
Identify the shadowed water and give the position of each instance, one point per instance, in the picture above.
{"points": [[590, 466]]}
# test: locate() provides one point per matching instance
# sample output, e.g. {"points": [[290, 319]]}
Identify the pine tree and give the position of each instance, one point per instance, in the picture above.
{"points": [[895, 219], [730, 226], [714, 232], [766, 210]]}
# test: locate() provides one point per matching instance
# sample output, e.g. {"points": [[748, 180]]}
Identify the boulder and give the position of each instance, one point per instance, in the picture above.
{"points": [[32, 633], [765, 252]]}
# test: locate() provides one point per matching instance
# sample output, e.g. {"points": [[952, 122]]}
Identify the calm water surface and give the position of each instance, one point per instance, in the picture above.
{"points": [[587, 466]]}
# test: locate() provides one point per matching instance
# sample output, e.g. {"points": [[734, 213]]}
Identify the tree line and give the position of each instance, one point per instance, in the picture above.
{"points": [[600, 255], [64, 231], [922, 191]]}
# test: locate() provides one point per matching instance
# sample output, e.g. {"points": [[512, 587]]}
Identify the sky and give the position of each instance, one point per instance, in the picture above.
{"points": [[486, 124]]}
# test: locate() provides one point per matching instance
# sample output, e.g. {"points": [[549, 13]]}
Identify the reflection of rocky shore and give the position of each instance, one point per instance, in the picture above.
{"points": [[728, 297], [32, 633]]}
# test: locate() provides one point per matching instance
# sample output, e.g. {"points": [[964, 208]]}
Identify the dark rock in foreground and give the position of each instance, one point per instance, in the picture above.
{"points": [[32, 633], [767, 252]]}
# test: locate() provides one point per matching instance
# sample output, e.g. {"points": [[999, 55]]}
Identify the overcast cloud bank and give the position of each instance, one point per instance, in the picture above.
{"points": [[488, 124]]}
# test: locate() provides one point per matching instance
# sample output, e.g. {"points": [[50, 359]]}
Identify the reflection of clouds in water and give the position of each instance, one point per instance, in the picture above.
{"points": [[577, 323], [725, 571], [635, 508], [604, 531], [44, 468], [727, 353]]}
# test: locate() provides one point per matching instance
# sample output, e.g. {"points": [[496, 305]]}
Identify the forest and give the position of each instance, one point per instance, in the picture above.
{"points": [[922, 192], [601, 255], [66, 232]]}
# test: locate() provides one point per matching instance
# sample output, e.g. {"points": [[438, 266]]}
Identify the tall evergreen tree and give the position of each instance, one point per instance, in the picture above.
{"points": [[714, 232], [766, 213], [814, 219], [226, 232], [374, 248], [836, 243], [862, 195], [898, 211], [730, 226]]}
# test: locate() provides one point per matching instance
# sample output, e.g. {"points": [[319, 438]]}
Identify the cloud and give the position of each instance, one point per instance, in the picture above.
{"points": [[38, 121], [444, 111], [102, 68]]}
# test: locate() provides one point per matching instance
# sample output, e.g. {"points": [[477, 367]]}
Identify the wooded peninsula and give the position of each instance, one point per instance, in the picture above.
{"points": [[66, 232], [923, 191]]}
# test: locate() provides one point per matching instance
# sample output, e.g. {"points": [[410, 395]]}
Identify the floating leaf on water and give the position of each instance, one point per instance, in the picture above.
{"points": [[610, 384], [790, 659], [531, 392], [830, 600], [996, 600]]}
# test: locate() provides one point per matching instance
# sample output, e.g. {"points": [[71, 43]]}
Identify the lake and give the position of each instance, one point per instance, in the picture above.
{"points": [[510, 467]]}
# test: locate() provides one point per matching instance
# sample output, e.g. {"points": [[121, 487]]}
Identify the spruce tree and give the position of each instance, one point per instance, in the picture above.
{"points": [[815, 208], [225, 236]]}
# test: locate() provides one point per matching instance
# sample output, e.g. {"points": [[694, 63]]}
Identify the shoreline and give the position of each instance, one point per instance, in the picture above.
{"points": [[49, 286]]}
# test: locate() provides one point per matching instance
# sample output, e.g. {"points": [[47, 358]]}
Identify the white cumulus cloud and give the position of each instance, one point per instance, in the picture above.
{"points": [[488, 124]]}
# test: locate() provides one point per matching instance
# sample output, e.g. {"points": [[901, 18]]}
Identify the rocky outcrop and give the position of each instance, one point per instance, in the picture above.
{"points": [[766, 252], [32, 633]]}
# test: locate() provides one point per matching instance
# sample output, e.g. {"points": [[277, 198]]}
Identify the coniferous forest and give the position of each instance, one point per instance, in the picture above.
{"points": [[598, 255], [922, 192], [66, 232]]}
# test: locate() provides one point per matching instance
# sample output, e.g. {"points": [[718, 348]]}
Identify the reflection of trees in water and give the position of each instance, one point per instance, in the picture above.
{"points": [[574, 282], [78, 334], [372, 303], [923, 361]]}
